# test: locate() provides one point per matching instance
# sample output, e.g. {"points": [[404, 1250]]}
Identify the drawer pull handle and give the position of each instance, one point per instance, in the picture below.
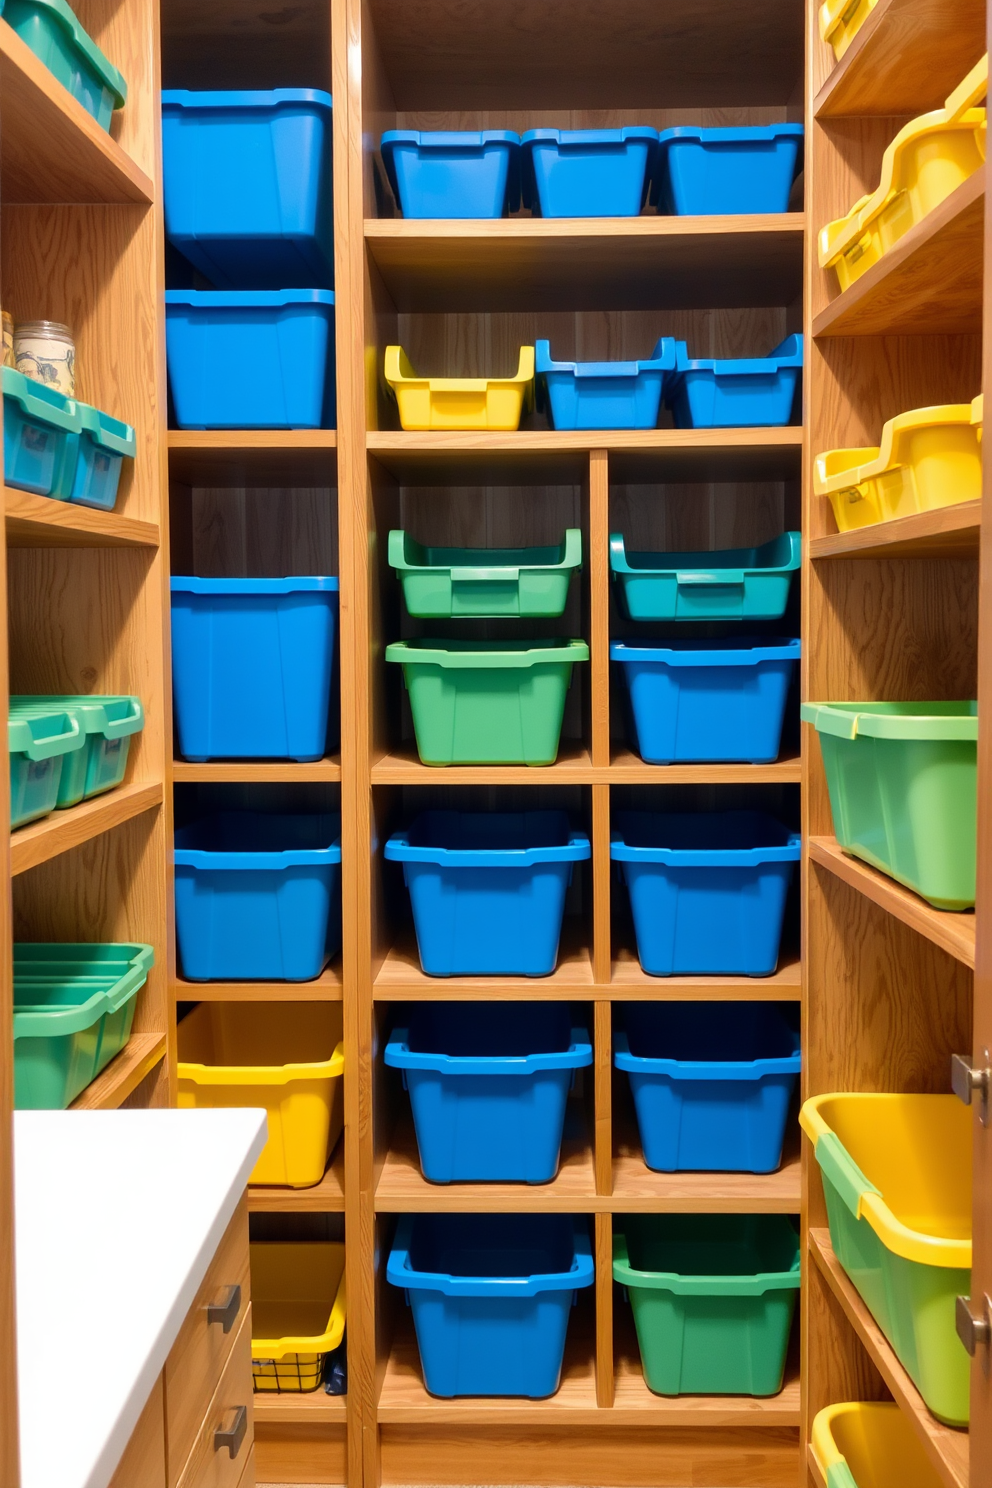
{"points": [[235, 1434], [227, 1311]]}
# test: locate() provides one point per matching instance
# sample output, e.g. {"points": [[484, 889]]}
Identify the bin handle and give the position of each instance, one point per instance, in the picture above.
{"points": [[484, 575], [837, 1165], [725, 578], [968, 92], [48, 745], [118, 728]]}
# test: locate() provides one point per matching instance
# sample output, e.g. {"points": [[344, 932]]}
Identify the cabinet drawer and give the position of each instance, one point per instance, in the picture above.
{"points": [[203, 1347], [210, 1463]]}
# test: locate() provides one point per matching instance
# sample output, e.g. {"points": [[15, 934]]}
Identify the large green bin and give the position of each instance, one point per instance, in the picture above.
{"points": [[487, 583], [487, 702], [902, 782], [713, 1297], [73, 1011], [53, 33], [107, 723], [39, 741]]}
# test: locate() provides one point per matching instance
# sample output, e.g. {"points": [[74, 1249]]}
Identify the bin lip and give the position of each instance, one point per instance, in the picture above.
{"points": [[399, 373], [322, 1343], [399, 849], [788, 353], [822, 1441], [725, 565], [662, 359], [577, 138], [399, 1055], [262, 1074], [244, 98], [747, 651], [91, 711], [63, 960], [744, 135], [400, 1273], [65, 738], [943, 721], [111, 78], [718, 857], [247, 299], [463, 565], [270, 859], [705, 1069], [447, 139], [754, 1285], [37, 401], [108, 432], [187, 584], [486, 655]]}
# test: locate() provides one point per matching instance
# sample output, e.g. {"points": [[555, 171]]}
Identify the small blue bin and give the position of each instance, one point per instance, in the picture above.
{"points": [[707, 889], [742, 393], [715, 172], [252, 662], [41, 429], [453, 172], [588, 172], [251, 359], [258, 896], [733, 584], [488, 888], [711, 1094], [104, 444], [604, 395], [698, 701], [488, 1084], [248, 186], [491, 1296]]}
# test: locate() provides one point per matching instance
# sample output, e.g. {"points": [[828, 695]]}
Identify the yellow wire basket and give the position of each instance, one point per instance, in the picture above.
{"points": [[298, 1307]]}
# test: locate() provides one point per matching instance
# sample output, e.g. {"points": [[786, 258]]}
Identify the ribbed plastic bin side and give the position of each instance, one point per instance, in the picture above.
{"points": [[744, 392], [707, 889], [713, 1297], [870, 1444], [488, 1084], [298, 1312], [603, 395], [251, 359], [587, 172], [722, 701], [710, 1094], [252, 666], [727, 172], [731, 584], [902, 780], [453, 172], [484, 583], [488, 888], [258, 895], [491, 1296], [41, 436], [51, 30], [39, 741], [896, 1173], [104, 444]]}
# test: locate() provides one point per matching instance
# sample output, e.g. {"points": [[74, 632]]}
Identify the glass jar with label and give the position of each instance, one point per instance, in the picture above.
{"points": [[44, 350], [8, 338]]}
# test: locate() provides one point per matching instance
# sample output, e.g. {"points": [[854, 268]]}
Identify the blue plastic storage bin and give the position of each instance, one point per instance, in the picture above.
{"points": [[587, 172], [488, 888], [733, 584], [707, 889], [603, 395], [716, 700], [713, 172], [41, 430], [248, 186], [104, 444], [453, 172], [741, 393], [711, 1094], [251, 359], [258, 896], [252, 663], [491, 1296], [488, 1084]]}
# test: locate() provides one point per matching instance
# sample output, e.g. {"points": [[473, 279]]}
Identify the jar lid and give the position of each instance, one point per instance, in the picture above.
{"points": [[52, 328]]}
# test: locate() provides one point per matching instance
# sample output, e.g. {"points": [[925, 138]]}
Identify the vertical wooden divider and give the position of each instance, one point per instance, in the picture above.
{"points": [[9, 1448]]}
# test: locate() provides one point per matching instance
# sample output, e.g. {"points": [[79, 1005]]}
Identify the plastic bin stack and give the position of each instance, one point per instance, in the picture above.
{"points": [[298, 1314], [51, 30], [66, 749], [60, 447]]}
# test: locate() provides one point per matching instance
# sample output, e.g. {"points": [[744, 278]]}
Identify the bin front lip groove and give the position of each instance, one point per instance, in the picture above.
{"points": [[440, 653], [399, 850], [270, 862], [685, 857], [662, 359], [850, 721], [703, 1069], [701, 1286], [621, 565], [398, 1272], [187, 584], [92, 712], [473, 564], [242, 98], [399, 1055], [742, 135], [708, 654], [261, 1074]]}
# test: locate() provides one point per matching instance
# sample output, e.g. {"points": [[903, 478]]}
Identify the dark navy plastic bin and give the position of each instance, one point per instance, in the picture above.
{"points": [[258, 896], [708, 701], [715, 172], [711, 1094], [491, 1296], [707, 889], [488, 888], [587, 172], [488, 1084], [604, 395], [745, 392], [248, 187], [252, 663], [453, 172], [251, 359]]}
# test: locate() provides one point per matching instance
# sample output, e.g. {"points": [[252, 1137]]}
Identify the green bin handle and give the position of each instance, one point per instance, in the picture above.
{"points": [[132, 722], [842, 723], [837, 1165], [52, 744], [484, 575]]}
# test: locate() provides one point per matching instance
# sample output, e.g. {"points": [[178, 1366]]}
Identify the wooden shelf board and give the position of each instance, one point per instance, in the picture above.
{"points": [[946, 1447], [326, 1197], [627, 769], [253, 457], [954, 933], [630, 983], [572, 767], [328, 987], [905, 59], [315, 1408], [637, 1188], [51, 149], [40, 522], [622, 263], [929, 282], [816, 1477], [948, 532], [401, 978], [246, 771], [64, 830], [113, 1085]]}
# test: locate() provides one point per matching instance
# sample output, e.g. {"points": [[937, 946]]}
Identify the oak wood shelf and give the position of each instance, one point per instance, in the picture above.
{"points": [[123, 1074], [314, 1408], [64, 830], [325, 1197], [638, 1189], [905, 59], [631, 983], [258, 771], [946, 1447], [627, 769], [573, 767], [948, 532], [929, 281], [954, 933], [328, 987], [253, 457], [40, 522], [400, 977], [815, 1475]]}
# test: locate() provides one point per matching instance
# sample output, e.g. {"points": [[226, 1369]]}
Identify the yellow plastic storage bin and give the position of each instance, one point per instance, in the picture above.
{"points": [[460, 402], [286, 1057], [978, 413], [928, 457], [297, 1312], [841, 20], [870, 1444], [928, 159]]}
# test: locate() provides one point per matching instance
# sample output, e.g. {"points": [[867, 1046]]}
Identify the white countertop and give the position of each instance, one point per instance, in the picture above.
{"points": [[117, 1217]]}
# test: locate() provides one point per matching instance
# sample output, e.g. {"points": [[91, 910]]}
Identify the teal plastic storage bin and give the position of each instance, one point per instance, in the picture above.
{"points": [[39, 740], [53, 33], [107, 724], [73, 1011], [41, 431], [451, 583], [733, 584], [104, 444]]}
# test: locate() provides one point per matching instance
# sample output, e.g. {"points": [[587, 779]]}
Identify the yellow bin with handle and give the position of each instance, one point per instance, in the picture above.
{"points": [[460, 402], [841, 20], [870, 1444], [298, 1306]]}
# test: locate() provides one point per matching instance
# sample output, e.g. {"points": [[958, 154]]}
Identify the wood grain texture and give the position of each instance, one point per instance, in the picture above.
{"points": [[260, 772], [123, 1074], [312, 1409], [299, 1453], [631, 983], [400, 977], [64, 830], [325, 1197], [947, 532], [9, 1426], [601, 885], [143, 1462], [905, 59], [253, 457], [328, 987], [246, 44], [640, 1190], [604, 1310], [39, 522], [602, 1097]]}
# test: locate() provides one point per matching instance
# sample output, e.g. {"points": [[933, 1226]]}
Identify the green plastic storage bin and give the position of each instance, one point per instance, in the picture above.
{"points": [[487, 702], [53, 33], [733, 584], [902, 783], [73, 1011], [39, 741], [713, 1297], [107, 724], [448, 583]]}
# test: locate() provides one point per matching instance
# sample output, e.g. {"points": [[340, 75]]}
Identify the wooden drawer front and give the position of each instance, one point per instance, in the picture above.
{"points": [[203, 1348], [210, 1466]]}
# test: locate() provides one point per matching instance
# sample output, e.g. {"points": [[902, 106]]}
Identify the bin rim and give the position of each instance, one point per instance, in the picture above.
{"points": [[187, 584], [744, 134], [944, 721], [742, 562], [21, 739], [704, 1069], [576, 138], [108, 432], [247, 299], [399, 372], [788, 353], [399, 849], [38, 401], [400, 1274], [399, 1055], [831, 1461], [241, 98], [109, 75], [323, 1343], [91, 711], [748, 652], [702, 1286], [262, 1074], [447, 139], [662, 359], [466, 565], [718, 857], [35, 1020], [870, 461], [486, 655]]}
